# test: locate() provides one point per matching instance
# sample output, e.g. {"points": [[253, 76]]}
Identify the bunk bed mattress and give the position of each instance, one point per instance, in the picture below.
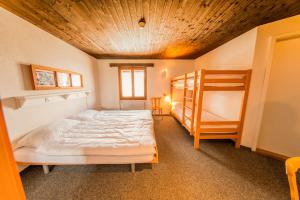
{"points": [[189, 83], [206, 116], [101, 133]]}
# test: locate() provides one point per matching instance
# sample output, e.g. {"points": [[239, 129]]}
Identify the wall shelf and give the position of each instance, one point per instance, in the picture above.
{"points": [[40, 99]]}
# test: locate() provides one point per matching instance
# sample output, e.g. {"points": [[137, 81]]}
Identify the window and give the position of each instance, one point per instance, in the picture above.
{"points": [[132, 83]]}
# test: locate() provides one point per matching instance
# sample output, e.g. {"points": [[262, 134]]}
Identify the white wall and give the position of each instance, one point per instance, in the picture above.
{"points": [[235, 54], [156, 82], [262, 62], [21, 44]]}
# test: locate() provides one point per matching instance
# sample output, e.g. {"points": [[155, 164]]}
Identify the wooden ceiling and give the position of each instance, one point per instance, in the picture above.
{"points": [[174, 28]]}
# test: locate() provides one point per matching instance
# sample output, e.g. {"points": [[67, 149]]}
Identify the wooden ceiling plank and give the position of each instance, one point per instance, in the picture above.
{"points": [[124, 37], [212, 9], [130, 4], [129, 26], [184, 18], [121, 40], [75, 14], [210, 30], [142, 32], [158, 42], [227, 27], [111, 29], [167, 25], [161, 41], [99, 27]]}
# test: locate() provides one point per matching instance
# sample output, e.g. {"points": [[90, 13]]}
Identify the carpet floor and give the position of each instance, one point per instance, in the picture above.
{"points": [[218, 171]]}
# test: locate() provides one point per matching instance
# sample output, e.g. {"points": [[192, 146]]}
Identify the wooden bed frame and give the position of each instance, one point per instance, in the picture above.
{"points": [[212, 84]]}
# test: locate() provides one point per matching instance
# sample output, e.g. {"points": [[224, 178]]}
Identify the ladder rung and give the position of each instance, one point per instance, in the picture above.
{"points": [[187, 117], [188, 107], [188, 97]]}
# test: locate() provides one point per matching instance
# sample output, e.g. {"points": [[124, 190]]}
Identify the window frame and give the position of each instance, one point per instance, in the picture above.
{"points": [[132, 68]]}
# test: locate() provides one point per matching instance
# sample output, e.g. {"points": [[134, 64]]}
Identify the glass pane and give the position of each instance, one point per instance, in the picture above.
{"points": [[139, 83], [76, 80], [63, 79], [126, 83]]}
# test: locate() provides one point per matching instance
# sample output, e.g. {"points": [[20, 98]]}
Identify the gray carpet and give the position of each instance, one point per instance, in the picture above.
{"points": [[218, 171]]}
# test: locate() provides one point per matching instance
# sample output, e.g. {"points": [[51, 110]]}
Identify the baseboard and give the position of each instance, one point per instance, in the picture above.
{"points": [[271, 154]]}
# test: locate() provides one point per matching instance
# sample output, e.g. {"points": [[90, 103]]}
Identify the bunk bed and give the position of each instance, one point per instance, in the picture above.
{"points": [[188, 97]]}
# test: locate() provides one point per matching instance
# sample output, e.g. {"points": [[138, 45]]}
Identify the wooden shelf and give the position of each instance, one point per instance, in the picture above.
{"points": [[40, 99]]}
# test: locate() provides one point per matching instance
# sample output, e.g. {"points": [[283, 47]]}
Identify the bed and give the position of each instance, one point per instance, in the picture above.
{"points": [[187, 96], [91, 137]]}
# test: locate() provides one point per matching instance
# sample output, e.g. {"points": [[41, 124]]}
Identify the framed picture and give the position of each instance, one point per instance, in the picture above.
{"points": [[76, 80], [43, 77], [63, 79], [52, 78]]}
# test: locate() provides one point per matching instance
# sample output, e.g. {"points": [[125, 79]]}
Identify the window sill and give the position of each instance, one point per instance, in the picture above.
{"points": [[133, 98]]}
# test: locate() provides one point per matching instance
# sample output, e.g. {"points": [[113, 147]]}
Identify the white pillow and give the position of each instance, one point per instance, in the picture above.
{"points": [[85, 115], [46, 133]]}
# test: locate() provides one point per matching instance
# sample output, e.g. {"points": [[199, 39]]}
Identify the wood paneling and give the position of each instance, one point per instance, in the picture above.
{"points": [[174, 28]]}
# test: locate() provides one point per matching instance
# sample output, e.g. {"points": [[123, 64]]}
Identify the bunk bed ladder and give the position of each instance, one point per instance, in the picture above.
{"points": [[185, 89], [194, 102]]}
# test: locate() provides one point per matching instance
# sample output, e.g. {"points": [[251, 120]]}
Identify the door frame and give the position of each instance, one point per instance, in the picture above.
{"points": [[10, 181]]}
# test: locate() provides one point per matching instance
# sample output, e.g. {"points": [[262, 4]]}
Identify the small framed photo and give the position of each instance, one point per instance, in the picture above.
{"points": [[76, 80], [43, 78], [63, 79]]}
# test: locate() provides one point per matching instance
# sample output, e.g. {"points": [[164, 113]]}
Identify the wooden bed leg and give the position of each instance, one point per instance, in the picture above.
{"points": [[237, 143], [132, 167], [196, 141], [196, 144], [46, 169]]}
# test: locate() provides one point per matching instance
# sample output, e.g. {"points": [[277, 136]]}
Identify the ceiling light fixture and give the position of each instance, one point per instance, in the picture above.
{"points": [[142, 22]]}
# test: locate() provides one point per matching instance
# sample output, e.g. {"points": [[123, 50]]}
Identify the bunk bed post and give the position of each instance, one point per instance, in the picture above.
{"points": [[194, 102], [199, 111], [243, 109], [184, 97], [171, 94]]}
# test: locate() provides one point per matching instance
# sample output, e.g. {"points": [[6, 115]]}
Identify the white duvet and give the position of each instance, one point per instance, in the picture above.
{"points": [[95, 133]]}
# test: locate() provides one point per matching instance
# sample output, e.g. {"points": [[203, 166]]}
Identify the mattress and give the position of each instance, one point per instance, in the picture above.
{"points": [[190, 84], [107, 134], [206, 116]]}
